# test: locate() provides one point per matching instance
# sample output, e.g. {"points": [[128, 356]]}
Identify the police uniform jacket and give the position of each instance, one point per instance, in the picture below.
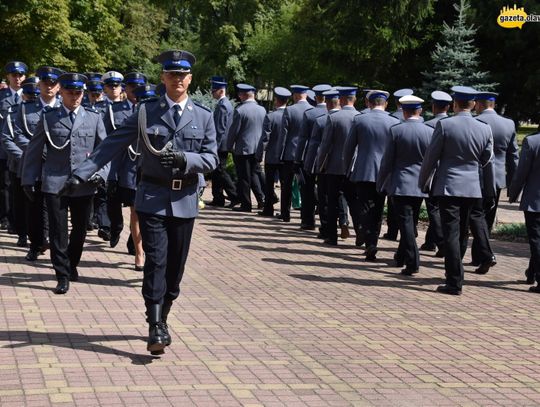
{"points": [[73, 143], [433, 122], [268, 144], [460, 152], [291, 129], [223, 114], [369, 136], [25, 124], [329, 158], [402, 159], [195, 135], [7, 104], [123, 168], [246, 128], [527, 175], [505, 146], [310, 116], [314, 142], [11, 149]]}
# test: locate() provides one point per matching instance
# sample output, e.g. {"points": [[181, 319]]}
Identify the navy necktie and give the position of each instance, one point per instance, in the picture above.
{"points": [[72, 116], [176, 114], [16, 97]]}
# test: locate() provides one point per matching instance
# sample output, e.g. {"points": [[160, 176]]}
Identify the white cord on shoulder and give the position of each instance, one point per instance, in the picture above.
{"points": [[111, 116], [25, 124], [142, 133], [46, 128], [10, 125]]}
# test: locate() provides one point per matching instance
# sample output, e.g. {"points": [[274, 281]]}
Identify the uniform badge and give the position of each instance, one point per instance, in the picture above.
{"points": [[190, 107], [193, 127], [162, 104]]}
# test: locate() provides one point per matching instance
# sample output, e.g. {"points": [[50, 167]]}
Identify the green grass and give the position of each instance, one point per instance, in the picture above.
{"points": [[510, 231], [525, 131]]}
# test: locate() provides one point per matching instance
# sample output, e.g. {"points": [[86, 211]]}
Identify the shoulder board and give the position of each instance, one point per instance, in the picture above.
{"points": [[48, 109], [28, 102], [201, 106], [91, 109], [2, 91], [149, 100]]}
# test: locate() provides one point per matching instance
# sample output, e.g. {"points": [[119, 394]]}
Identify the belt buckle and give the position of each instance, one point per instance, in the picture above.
{"points": [[176, 184]]}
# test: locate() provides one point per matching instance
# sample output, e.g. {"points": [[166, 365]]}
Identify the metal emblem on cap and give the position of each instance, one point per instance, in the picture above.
{"points": [[176, 55]]}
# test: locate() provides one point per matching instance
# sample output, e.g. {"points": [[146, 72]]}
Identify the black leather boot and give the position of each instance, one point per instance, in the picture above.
{"points": [[156, 337], [164, 314]]}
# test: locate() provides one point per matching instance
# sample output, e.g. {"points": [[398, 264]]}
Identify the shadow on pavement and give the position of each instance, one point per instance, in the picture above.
{"points": [[75, 341]]}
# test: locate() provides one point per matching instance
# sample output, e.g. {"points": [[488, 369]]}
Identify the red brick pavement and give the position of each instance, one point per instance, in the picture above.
{"points": [[269, 317]]}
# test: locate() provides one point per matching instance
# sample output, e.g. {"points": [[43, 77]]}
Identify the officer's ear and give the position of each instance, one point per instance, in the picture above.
{"points": [[161, 75]]}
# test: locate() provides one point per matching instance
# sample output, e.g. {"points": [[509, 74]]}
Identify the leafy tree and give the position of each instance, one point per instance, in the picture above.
{"points": [[456, 59]]}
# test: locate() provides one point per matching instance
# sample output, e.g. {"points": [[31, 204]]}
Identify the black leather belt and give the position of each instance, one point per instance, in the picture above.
{"points": [[175, 184]]}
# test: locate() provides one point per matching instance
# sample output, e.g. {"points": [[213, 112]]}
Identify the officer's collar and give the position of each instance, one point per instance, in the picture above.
{"points": [[76, 109], [489, 111], [52, 103], [172, 103], [13, 91]]}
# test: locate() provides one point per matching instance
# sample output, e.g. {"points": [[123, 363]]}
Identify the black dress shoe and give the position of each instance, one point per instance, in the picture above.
{"points": [[428, 247], [44, 247], [260, 205], [444, 289], [359, 242], [166, 336], [265, 214], [440, 253], [32, 255], [156, 338], [484, 267], [74, 274], [529, 277], [330, 242], [241, 209], [307, 227], [216, 203], [232, 204], [535, 289], [408, 272], [321, 236], [371, 252], [22, 241], [114, 239], [62, 287], [104, 234]]}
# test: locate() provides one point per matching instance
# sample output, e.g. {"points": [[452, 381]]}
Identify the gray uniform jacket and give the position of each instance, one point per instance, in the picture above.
{"points": [[123, 168], [7, 104], [246, 128], [527, 175], [433, 122], [7, 136], [368, 137], [195, 135], [291, 129], [268, 144], [223, 114], [310, 116], [330, 153], [504, 146], [73, 143], [459, 158], [25, 125], [402, 159], [314, 142]]}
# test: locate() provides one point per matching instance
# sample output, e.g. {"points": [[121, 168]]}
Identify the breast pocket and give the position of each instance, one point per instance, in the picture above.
{"points": [[158, 136], [87, 139], [193, 139]]}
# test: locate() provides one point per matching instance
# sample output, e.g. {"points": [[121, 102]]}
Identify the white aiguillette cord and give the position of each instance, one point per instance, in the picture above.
{"points": [[23, 107], [46, 129], [142, 134]]}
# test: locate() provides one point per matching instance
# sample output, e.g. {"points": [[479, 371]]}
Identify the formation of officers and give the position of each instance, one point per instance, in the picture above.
{"points": [[83, 155]]}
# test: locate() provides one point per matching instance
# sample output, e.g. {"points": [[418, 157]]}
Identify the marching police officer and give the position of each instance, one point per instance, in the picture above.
{"points": [[71, 132], [307, 186], [30, 91], [398, 177], [458, 156], [24, 128], [527, 179], [370, 133], [440, 103], [505, 152], [270, 147], [9, 97], [223, 114], [177, 142], [288, 142], [243, 139], [330, 163]]}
